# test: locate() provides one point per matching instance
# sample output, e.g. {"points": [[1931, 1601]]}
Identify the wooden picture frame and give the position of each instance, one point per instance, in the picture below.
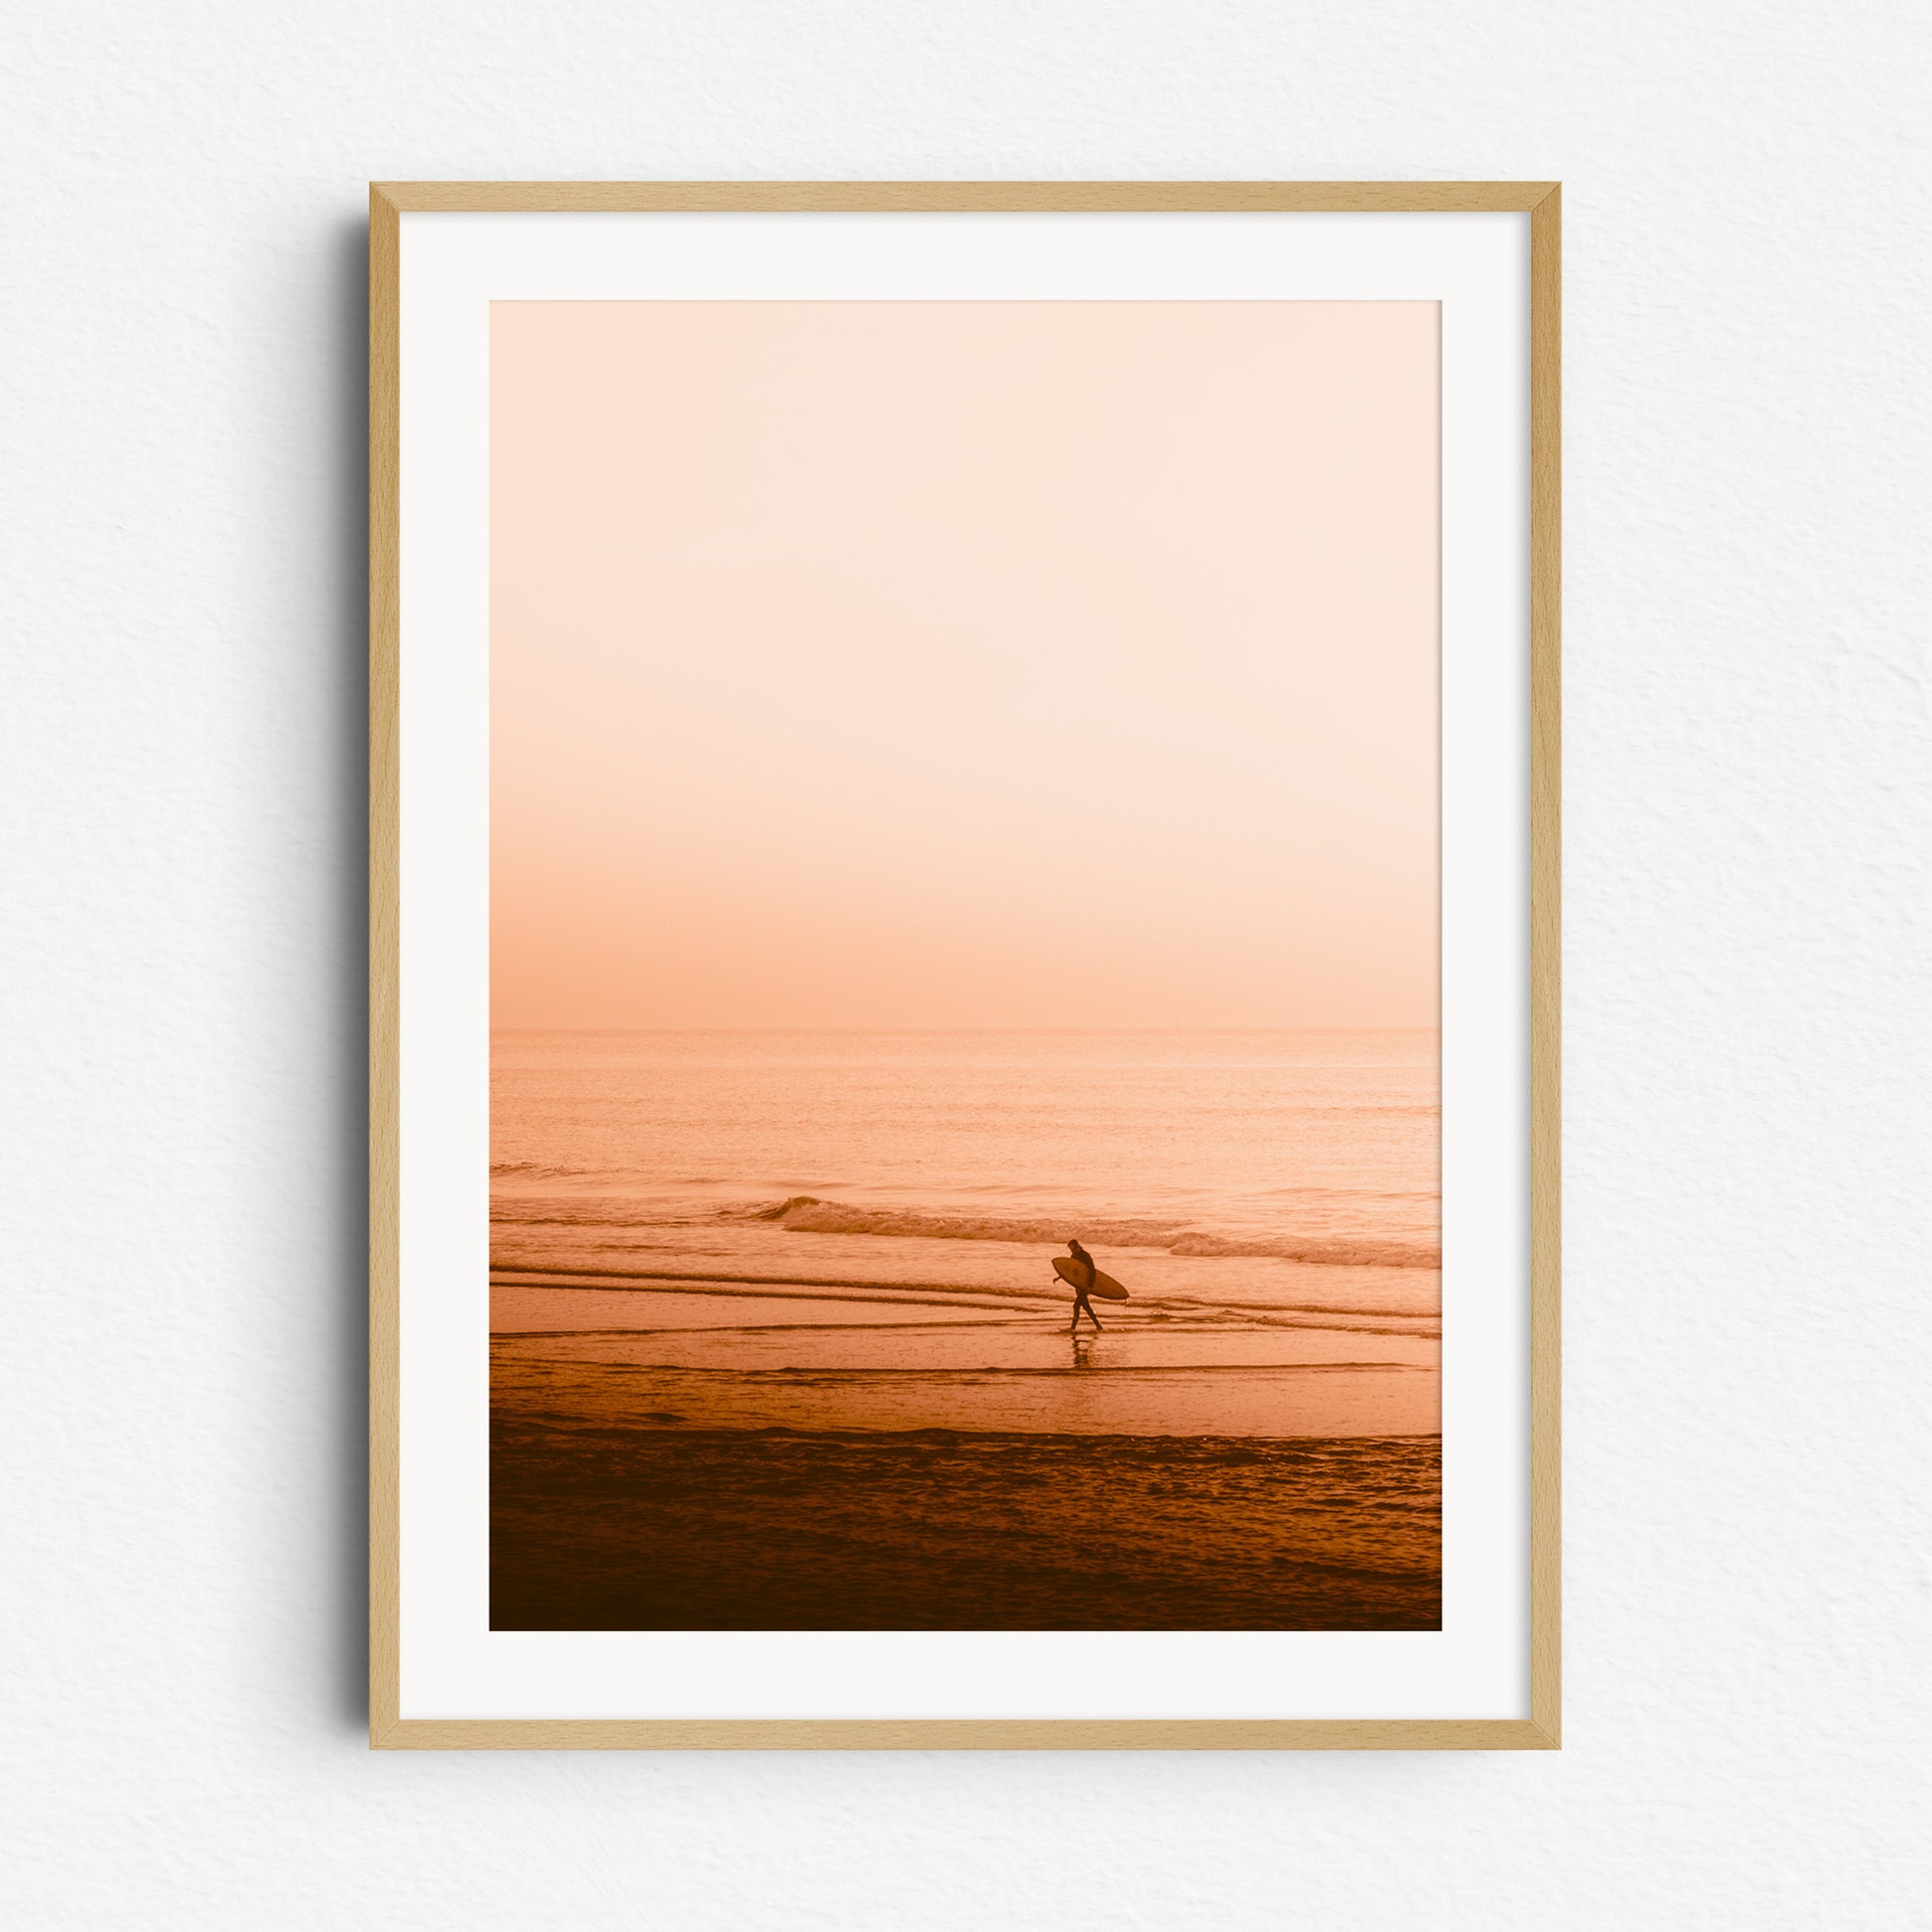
{"points": [[390, 203]]}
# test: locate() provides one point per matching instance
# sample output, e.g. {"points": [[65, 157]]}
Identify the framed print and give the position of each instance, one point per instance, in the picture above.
{"points": [[964, 905]]}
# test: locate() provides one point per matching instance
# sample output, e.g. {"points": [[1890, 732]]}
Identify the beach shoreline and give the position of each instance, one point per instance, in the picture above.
{"points": [[777, 1341]]}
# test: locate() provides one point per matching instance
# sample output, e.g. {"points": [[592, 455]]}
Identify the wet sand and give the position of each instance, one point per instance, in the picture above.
{"points": [[796, 1456]]}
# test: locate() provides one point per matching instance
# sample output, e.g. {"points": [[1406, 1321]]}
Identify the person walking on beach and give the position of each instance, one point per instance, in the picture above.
{"points": [[1081, 1288]]}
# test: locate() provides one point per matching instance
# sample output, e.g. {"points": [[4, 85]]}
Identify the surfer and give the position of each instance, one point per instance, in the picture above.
{"points": [[1089, 1272]]}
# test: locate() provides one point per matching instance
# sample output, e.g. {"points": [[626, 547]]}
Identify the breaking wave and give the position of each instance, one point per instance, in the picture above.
{"points": [[807, 1214]]}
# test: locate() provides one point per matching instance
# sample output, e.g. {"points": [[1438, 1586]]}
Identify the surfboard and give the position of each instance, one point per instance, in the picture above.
{"points": [[1104, 1288]]}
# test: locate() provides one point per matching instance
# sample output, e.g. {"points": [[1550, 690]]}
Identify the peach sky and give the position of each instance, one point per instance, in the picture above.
{"points": [[963, 664]]}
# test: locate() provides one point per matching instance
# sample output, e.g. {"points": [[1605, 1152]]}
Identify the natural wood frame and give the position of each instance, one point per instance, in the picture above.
{"points": [[1541, 202]]}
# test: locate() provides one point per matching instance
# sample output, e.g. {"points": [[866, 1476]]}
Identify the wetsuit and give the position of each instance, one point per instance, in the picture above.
{"points": [[1082, 1289]]}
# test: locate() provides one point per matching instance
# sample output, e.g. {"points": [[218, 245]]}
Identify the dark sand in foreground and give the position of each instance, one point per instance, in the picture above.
{"points": [[620, 1528], [721, 1461]]}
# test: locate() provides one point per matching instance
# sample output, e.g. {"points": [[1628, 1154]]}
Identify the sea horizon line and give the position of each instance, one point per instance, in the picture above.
{"points": [[969, 1031]]}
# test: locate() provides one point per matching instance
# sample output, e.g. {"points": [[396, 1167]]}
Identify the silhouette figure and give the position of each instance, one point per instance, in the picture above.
{"points": [[1080, 1287]]}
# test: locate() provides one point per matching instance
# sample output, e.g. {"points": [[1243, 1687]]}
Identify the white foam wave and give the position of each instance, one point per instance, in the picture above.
{"points": [[807, 1214]]}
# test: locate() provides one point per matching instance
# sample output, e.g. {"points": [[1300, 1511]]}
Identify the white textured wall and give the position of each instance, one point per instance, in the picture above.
{"points": [[181, 351]]}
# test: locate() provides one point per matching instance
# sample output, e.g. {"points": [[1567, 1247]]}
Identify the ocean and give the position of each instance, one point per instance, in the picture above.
{"points": [[776, 1341]]}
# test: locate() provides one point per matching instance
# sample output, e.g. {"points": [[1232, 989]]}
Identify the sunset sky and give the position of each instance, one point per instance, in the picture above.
{"points": [[964, 665]]}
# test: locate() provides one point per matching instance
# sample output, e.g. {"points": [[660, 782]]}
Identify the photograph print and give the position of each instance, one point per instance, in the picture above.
{"points": [[964, 965]]}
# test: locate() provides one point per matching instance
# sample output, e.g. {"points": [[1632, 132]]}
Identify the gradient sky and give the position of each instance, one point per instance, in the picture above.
{"points": [[964, 665]]}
